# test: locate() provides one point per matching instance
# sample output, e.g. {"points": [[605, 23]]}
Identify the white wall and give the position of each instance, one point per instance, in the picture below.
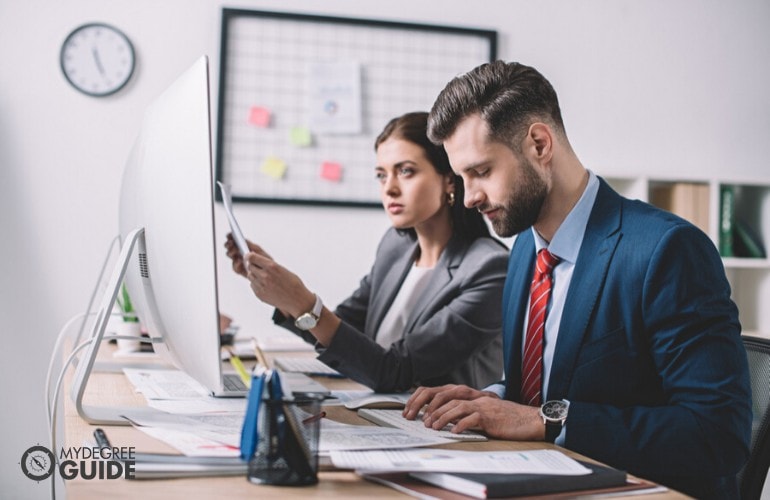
{"points": [[658, 86]]}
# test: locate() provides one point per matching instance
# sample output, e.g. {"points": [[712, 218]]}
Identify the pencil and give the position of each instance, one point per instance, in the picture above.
{"points": [[261, 358], [239, 368]]}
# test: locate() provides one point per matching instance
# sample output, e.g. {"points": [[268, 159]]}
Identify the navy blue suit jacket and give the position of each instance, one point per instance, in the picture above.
{"points": [[648, 352]]}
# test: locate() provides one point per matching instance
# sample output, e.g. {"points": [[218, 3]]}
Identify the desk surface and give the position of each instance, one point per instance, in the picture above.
{"points": [[115, 390]]}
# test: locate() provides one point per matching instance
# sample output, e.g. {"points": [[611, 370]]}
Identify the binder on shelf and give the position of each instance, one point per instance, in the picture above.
{"points": [[726, 220]]}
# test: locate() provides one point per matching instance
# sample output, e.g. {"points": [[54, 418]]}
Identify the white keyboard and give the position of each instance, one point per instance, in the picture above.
{"points": [[393, 418], [310, 366]]}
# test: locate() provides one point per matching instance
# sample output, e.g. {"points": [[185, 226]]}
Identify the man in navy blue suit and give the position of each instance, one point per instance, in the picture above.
{"points": [[637, 359]]}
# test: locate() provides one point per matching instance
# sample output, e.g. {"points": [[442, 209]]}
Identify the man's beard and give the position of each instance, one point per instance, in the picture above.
{"points": [[523, 205]]}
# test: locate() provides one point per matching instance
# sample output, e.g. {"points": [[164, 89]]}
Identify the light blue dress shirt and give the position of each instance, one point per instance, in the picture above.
{"points": [[565, 244]]}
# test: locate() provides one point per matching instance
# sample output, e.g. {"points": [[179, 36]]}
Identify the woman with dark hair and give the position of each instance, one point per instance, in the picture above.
{"points": [[428, 313]]}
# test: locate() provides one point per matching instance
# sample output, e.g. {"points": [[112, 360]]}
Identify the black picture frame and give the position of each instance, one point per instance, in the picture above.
{"points": [[227, 123]]}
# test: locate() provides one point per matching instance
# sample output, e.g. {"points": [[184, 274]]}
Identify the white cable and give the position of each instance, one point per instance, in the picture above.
{"points": [[59, 380], [96, 286], [52, 415], [52, 362]]}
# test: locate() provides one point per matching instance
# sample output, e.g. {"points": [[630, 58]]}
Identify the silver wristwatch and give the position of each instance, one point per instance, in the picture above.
{"points": [[309, 320], [554, 415]]}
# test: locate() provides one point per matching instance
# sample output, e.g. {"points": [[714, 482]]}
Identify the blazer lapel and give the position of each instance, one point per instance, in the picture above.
{"points": [[515, 296], [388, 288], [599, 243], [450, 259]]}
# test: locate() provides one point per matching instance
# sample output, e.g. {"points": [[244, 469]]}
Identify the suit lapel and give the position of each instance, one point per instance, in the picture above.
{"points": [[599, 243], [388, 288], [450, 259], [515, 296]]}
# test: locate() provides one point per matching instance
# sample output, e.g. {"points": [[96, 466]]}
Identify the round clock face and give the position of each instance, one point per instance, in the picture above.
{"points": [[38, 463], [97, 59]]}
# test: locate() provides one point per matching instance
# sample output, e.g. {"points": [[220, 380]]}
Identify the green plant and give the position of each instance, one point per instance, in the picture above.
{"points": [[126, 307]]}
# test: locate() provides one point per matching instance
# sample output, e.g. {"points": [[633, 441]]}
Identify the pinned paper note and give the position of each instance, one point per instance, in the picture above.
{"points": [[334, 97], [259, 116], [331, 171], [300, 136], [274, 167]]}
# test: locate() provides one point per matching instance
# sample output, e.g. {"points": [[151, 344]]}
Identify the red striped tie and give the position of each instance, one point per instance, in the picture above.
{"points": [[540, 292]]}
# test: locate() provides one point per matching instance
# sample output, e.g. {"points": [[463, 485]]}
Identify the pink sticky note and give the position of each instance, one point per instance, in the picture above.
{"points": [[259, 116], [331, 171]]}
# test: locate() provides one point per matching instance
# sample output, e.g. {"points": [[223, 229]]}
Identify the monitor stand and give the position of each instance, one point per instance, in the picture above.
{"points": [[106, 415]]}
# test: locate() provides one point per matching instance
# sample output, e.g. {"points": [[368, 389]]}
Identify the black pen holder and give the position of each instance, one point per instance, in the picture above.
{"points": [[287, 444]]}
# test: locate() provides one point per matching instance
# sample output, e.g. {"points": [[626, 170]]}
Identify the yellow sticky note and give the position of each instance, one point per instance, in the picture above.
{"points": [[331, 171], [259, 116], [300, 136], [274, 167]]}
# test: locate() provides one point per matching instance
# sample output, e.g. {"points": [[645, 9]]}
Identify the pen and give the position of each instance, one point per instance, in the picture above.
{"points": [[239, 368], [313, 418], [260, 355], [101, 438]]}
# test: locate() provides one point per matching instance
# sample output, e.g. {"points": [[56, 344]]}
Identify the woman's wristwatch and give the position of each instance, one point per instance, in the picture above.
{"points": [[309, 320]]}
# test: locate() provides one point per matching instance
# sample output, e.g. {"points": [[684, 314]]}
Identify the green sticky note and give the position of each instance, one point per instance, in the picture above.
{"points": [[300, 136]]}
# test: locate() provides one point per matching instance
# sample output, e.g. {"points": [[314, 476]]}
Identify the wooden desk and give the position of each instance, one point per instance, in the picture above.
{"points": [[114, 389]]}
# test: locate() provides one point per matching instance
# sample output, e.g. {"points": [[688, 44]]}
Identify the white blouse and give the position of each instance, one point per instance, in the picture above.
{"points": [[393, 324]]}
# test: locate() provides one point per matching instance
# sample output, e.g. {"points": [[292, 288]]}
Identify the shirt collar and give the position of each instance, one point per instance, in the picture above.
{"points": [[569, 236]]}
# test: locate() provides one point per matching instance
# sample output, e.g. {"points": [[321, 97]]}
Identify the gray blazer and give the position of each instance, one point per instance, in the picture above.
{"points": [[452, 336]]}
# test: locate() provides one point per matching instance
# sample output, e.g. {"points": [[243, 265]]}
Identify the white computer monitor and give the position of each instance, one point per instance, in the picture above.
{"points": [[166, 223]]}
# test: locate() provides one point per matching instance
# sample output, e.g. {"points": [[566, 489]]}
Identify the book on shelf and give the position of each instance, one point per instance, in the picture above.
{"points": [[726, 220], [688, 200]]}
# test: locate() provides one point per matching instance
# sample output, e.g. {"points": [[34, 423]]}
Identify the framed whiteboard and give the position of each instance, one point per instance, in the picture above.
{"points": [[302, 99]]}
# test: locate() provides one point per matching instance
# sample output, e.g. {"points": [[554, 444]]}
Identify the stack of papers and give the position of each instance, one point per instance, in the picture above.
{"points": [[439, 460]]}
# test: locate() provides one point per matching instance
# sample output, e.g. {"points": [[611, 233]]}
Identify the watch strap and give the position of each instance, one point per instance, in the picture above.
{"points": [[552, 430], [318, 307]]}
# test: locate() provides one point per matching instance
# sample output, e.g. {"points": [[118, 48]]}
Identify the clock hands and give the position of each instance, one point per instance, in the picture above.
{"points": [[97, 60]]}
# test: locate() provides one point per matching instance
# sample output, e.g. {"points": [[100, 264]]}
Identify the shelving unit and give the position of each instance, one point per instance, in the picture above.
{"points": [[700, 201]]}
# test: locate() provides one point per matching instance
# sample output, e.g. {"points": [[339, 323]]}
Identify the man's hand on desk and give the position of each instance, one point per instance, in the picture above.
{"points": [[469, 408]]}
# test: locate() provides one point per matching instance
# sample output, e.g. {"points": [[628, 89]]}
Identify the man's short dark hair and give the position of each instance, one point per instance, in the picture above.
{"points": [[508, 96]]}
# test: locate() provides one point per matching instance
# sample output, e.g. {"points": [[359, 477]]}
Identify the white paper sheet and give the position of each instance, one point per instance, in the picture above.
{"points": [[438, 460], [165, 384], [339, 436], [334, 97], [199, 406], [191, 444], [227, 201]]}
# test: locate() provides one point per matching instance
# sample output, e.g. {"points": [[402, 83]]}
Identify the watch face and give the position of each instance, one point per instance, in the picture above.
{"points": [[97, 59], [555, 410], [306, 322]]}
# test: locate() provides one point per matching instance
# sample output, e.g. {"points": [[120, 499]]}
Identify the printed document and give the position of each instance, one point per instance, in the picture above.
{"points": [[439, 460], [227, 201], [339, 436]]}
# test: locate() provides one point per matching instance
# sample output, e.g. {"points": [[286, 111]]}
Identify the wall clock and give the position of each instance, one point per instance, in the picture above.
{"points": [[97, 59]]}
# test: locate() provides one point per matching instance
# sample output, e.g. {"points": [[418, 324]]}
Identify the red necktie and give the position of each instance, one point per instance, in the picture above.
{"points": [[540, 292]]}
